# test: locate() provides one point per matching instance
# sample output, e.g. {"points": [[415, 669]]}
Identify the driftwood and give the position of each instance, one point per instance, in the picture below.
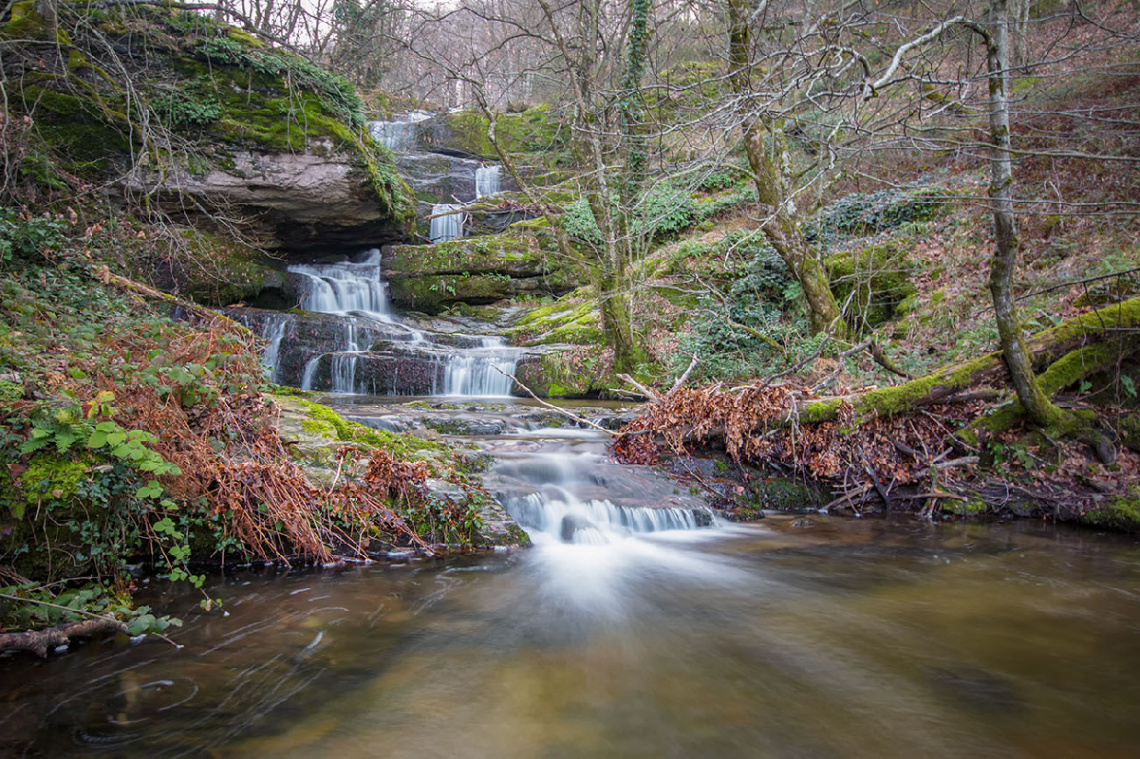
{"points": [[42, 641]]}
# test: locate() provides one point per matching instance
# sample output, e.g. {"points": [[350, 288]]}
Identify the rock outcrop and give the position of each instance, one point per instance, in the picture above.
{"points": [[477, 270]]}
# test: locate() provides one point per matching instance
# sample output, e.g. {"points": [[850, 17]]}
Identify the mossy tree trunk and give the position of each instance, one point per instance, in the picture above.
{"points": [[769, 160], [1004, 263]]}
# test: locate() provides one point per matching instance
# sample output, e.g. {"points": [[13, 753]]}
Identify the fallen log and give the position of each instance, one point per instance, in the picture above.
{"points": [[42, 641], [1079, 335]]}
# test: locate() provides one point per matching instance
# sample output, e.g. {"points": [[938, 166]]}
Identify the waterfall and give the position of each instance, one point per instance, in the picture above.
{"points": [[444, 224], [274, 332], [343, 373], [481, 371], [344, 286], [310, 372], [398, 135], [560, 516], [488, 181]]}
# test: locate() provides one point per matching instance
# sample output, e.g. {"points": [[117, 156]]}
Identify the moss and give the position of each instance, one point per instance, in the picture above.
{"points": [[328, 423], [1119, 514], [578, 323], [509, 253], [568, 375], [434, 294], [228, 87], [1120, 315], [971, 508], [53, 477], [534, 130], [875, 281], [1076, 365], [25, 23], [320, 427], [1129, 429]]}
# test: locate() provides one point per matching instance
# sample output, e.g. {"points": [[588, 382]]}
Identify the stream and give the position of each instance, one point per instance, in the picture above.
{"points": [[638, 624], [634, 632]]}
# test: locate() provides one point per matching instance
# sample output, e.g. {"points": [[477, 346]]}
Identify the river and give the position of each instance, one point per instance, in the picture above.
{"points": [[796, 636]]}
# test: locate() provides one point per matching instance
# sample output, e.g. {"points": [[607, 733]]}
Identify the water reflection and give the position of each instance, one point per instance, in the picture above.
{"points": [[830, 638]]}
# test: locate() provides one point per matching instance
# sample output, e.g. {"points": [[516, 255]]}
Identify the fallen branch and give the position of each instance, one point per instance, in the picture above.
{"points": [[41, 641], [552, 407], [648, 393]]}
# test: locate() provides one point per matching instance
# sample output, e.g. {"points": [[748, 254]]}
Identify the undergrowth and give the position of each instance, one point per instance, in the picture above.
{"points": [[131, 439]]}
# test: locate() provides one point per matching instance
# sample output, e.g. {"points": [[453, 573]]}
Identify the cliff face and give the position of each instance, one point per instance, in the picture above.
{"points": [[203, 122]]}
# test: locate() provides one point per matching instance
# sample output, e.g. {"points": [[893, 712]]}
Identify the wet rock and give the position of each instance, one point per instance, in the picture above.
{"points": [[572, 525], [445, 490]]}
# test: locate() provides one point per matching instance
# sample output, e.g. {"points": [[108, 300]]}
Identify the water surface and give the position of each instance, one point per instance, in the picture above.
{"points": [[795, 637]]}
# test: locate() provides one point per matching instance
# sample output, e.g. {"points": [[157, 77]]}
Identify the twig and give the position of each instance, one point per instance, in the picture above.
{"points": [[1079, 282], [552, 407]]}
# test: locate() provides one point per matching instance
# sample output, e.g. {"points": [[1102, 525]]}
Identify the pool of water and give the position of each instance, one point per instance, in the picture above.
{"points": [[795, 637], [632, 628]]}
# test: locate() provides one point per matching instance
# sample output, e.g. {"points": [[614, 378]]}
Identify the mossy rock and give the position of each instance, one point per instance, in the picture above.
{"points": [[579, 373], [1121, 514], [477, 271], [434, 294], [875, 280], [217, 272], [536, 130], [571, 321], [512, 254], [40, 515], [221, 93]]}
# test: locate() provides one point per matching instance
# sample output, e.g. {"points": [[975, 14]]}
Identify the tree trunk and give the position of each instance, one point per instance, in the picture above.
{"points": [[617, 324], [781, 226], [1004, 264]]}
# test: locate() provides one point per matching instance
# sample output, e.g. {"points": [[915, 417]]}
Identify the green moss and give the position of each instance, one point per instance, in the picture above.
{"points": [[1076, 365], [328, 423], [52, 477], [1120, 514], [535, 130], [578, 374], [320, 427], [577, 323], [433, 294], [25, 23], [875, 281], [971, 508]]}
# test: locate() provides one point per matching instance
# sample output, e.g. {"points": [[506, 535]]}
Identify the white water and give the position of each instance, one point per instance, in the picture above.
{"points": [[310, 373], [484, 372], [343, 373], [445, 225], [398, 135], [488, 181], [345, 287], [356, 287]]}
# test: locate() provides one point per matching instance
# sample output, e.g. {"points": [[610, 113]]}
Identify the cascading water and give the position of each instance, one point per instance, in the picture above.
{"points": [[355, 290], [557, 514], [488, 181], [344, 287], [399, 135], [484, 371], [445, 225]]}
